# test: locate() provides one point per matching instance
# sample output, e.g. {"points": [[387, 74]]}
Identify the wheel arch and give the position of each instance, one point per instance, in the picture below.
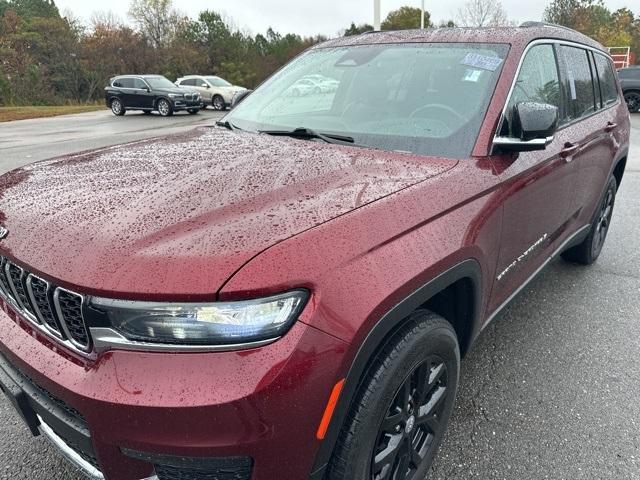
{"points": [[456, 295], [619, 168]]}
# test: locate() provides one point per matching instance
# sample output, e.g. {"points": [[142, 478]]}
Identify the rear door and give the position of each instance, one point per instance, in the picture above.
{"points": [[127, 92], [588, 124], [538, 186]]}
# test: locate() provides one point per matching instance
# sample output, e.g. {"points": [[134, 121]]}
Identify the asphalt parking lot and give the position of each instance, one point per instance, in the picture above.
{"points": [[551, 389], [28, 141]]}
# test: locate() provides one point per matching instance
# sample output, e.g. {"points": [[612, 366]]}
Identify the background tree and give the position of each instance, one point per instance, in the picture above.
{"points": [[156, 19], [358, 29], [483, 13], [405, 18]]}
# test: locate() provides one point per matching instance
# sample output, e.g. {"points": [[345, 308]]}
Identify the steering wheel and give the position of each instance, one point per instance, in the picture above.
{"points": [[441, 107]]}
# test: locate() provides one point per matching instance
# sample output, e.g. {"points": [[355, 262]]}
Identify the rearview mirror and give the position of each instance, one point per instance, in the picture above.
{"points": [[239, 97], [534, 125]]}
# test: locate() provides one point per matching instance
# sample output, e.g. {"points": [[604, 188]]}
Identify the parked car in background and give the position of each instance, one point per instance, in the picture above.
{"points": [[215, 91], [288, 296], [150, 93], [630, 82]]}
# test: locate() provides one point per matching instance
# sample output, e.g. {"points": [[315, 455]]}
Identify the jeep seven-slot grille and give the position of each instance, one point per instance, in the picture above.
{"points": [[53, 309]]}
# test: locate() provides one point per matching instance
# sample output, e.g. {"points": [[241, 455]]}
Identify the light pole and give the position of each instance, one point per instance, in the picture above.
{"points": [[376, 15], [422, 16]]}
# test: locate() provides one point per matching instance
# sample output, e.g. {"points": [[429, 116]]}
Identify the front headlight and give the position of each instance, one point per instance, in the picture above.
{"points": [[175, 95], [221, 323]]}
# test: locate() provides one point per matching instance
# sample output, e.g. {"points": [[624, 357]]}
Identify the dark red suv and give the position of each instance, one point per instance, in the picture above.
{"points": [[287, 296]]}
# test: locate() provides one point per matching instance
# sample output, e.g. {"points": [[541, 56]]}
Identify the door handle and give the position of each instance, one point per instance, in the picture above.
{"points": [[610, 127], [569, 150]]}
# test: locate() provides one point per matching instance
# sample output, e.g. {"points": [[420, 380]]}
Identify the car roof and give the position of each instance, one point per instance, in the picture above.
{"points": [[517, 36]]}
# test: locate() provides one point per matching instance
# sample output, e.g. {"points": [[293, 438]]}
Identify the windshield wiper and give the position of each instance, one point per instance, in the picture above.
{"points": [[306, 133], [227, 124]]}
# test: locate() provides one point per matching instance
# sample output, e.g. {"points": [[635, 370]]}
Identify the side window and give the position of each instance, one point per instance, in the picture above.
{"points": [[189, 82], [126, 82], [579, 91], [537, 82], [608, 86], [139, 84], [117, 83]]}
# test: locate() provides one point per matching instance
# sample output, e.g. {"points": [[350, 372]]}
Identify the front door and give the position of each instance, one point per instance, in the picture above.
{"points": [[538, 187]]}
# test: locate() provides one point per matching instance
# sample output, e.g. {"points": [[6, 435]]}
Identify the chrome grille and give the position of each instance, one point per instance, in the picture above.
{"points": [[56, 311]]}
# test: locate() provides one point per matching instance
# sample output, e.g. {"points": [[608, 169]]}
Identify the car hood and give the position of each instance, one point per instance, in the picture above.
{"points": [[179, 215], [176, 90]]}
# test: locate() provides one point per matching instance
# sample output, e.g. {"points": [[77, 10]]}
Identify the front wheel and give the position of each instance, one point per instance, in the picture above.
{"points": [[633, 101], [164, 108], [401, 411], [589, 250], [117, 107], [218, 103]]}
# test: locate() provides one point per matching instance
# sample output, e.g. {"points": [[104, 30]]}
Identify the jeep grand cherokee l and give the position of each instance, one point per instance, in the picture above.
{"points": [[295, 306], [150, 93]]}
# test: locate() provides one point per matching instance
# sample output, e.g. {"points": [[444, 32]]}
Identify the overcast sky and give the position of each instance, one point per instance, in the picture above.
{"points": [[308, 17]]}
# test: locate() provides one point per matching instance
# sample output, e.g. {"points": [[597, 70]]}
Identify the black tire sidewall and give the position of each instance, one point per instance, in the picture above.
{"points": [[387, 377], [636, 108]]}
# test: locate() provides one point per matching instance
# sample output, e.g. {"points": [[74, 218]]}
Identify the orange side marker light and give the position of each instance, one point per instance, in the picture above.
{"points": [[328, 411]]}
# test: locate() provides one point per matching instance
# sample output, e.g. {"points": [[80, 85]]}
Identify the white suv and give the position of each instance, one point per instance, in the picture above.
{"points": [[214, 91]]}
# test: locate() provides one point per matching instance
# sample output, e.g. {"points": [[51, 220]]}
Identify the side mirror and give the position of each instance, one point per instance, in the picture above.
{"points": [[534, 125], [205, 85], [239, 97]]}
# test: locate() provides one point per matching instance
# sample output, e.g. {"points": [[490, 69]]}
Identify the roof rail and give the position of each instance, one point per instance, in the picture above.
{"points": [[532, 24]]}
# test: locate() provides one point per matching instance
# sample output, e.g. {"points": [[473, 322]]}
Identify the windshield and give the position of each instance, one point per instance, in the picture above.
{"points": [[159, 82], [427, 99], [218, 82]]}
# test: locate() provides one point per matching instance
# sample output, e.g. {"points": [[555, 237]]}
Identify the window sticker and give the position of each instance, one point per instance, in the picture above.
{"points": [[483, 62], [472, 75], [572, 84]]}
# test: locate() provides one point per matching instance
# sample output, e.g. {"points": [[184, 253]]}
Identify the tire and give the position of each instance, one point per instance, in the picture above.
{"points": [[117, 107], [633, 101], [589, 250], [426, 348], [194, 111], [217, 102], [164, 107]]}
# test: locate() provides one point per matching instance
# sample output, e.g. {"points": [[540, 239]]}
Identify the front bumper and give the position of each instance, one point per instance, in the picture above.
{"points": [[179, 105], [148, 413]]}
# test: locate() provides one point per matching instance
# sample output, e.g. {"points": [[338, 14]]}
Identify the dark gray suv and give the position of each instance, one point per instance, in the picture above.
{"points": [[630, 82]]}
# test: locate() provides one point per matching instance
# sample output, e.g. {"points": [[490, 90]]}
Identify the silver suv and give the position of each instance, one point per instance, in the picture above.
{"points": [[215, 91]]}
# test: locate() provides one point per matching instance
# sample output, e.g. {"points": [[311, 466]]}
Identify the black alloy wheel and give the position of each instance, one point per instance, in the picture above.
{"points": [[412, 423], [633, 101], [603, 221]]}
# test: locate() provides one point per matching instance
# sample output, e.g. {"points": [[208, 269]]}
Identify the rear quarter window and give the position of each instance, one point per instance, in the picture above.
{"points": [[608, 86]]}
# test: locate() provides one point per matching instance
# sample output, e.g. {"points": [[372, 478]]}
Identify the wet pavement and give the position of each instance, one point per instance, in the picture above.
{"points": [[550, 390]]}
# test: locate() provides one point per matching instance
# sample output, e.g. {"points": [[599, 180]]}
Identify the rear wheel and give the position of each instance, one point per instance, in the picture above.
{"points": [[589, 250], [402, 409], [164, 108], [218, 103], [633, 101], [117, 107]]}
